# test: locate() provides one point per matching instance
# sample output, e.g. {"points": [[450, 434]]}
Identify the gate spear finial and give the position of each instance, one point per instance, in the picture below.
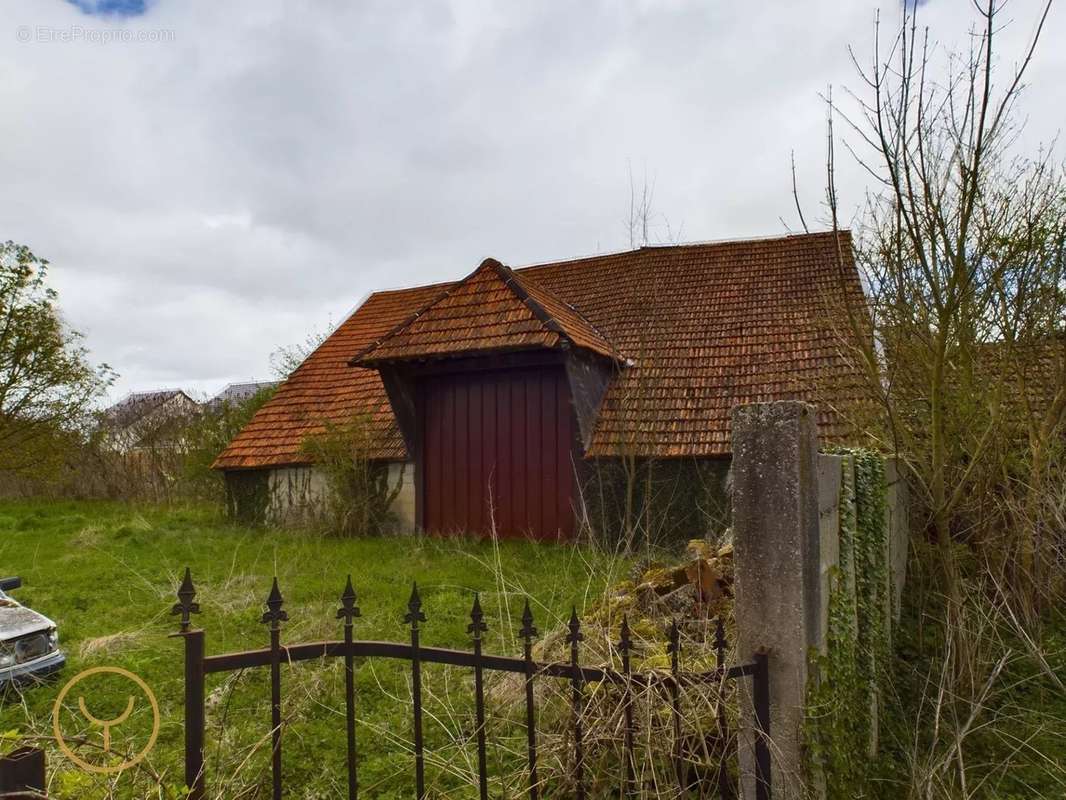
{"points": [[186, 604], [625, 641], [477, 624], [528, 630], [414, 613], [275, 614], [348, 610], [575, 635]]}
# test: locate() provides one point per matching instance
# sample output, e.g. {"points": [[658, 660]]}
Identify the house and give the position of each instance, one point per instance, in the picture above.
{"points": [[496, 398], [144, 420], [233, 394]]}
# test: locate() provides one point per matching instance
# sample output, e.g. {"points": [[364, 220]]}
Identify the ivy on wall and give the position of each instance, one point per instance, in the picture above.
{"points": [[247, 496], [843, 694]]}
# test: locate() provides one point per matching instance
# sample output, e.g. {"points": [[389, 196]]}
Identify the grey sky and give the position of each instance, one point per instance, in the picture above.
{"points": [[253, 168]]}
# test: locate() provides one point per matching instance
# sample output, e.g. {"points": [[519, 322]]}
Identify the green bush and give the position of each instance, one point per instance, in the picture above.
{"points": [[206, 437], [358, 495]]}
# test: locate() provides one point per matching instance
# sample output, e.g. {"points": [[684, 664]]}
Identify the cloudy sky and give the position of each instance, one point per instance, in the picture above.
{"points": [[212, 180]]}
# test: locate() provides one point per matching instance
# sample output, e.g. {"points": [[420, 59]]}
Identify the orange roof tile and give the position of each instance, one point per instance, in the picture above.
{"points": [[490, 310], [325, 388], [707, 326]]}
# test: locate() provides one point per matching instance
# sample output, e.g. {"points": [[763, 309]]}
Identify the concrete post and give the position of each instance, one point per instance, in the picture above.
{"points": [[829, 491], [897, 501], [776, 544]]}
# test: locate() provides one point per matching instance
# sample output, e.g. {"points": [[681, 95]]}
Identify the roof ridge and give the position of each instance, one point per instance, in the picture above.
{"points": [[443, 285], [539, 310], [150, 392], [402, 289], [512, 282], [680, 246], [743, 239]]}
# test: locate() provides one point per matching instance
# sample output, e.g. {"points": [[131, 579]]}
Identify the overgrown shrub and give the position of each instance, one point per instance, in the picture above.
{"points": [[170, 462], [999, 733], [357, 494], [207, 436]]}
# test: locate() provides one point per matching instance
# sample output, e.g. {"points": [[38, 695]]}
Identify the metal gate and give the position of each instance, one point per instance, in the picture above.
{"points": [[198, 665]]}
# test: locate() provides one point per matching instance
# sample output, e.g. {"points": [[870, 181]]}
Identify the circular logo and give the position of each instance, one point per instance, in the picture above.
{"points": [[106, 724]]}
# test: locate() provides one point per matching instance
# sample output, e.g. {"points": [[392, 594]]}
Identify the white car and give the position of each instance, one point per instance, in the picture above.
{"points": [[29, 642]]}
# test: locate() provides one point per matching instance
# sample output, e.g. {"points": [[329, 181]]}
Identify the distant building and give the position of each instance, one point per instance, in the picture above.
{"points": [[236, 393], [148, 419]]}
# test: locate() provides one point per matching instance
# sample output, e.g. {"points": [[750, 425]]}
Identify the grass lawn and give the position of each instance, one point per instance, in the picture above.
{"points": [[107, 574]]}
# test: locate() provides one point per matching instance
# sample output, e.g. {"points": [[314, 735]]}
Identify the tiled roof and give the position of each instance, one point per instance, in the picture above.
{"points": [[1032, 374], [235, 392], [490, 310], [324, 387], [706, 326], [711, 326]]}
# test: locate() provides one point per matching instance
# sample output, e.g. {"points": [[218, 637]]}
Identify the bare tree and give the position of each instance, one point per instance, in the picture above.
{"points": [[961, 252], [285, 360]]}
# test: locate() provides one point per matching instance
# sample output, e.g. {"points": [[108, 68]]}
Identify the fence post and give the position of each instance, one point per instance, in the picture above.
{"points": [[348, 612], [22, 774], [413, 617], [776, 543], [194, 713], [194, 686], [273, 617]]}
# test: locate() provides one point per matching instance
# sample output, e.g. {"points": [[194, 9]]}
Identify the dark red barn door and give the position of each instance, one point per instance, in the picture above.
{"points": [[498, 451]]}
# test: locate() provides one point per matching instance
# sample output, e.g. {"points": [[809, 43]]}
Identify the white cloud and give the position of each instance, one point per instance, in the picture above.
{"points": [[241, 172]]}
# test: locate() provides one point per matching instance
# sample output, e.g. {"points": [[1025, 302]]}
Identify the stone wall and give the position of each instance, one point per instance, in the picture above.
{"points": [[898, 530], [295, 495], [404, 504]]}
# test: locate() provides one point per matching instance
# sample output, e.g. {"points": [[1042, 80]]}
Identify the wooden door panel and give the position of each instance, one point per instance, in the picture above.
{"points": [[503, 437]]}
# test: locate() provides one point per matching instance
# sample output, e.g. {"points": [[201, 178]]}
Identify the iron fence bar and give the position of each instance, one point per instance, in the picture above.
{"points": [[527, 633], [273, 617], [674, 648], [413, 617], [741, 671], [725, 786], [477, 627], [195, 712], [348, 612], [761, 697], [250, 659], [573, 639], [625, 644], [275, 712]]}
